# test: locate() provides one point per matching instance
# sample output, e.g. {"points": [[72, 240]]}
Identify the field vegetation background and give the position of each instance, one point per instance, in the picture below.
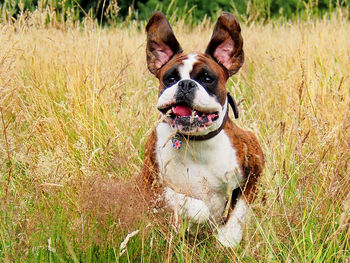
{"points": [[192, 11], [77, 104]]}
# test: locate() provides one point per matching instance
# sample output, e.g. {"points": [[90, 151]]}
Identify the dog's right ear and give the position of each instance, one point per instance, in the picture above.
{"points": [[161, 42]]}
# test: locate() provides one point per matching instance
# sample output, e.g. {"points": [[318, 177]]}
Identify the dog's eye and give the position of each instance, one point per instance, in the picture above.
{"points": [[170, 80], [205, 78]]}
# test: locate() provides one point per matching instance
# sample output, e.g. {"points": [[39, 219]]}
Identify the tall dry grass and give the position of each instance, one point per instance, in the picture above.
{"points": [[77, 103]]}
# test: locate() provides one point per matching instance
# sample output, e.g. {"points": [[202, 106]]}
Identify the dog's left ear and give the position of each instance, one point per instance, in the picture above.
{"points": [[226, 43], [161, 42]]}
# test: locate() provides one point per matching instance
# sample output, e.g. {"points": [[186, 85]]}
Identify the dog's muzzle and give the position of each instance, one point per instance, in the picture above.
{"points": [[186, 92]]}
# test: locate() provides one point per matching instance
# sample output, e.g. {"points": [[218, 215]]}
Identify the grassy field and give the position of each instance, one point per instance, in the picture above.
{"points": [[77, 103]]}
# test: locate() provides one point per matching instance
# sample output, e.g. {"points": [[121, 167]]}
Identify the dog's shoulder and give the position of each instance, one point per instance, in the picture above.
{"points": [[248, 150], [149, 171]]}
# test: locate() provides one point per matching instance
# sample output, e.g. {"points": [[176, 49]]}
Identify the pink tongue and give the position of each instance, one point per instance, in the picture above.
{"points": [[182, 110]]}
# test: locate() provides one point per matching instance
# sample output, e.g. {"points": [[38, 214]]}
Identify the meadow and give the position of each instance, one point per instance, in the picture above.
{"points": [[77, 104]]}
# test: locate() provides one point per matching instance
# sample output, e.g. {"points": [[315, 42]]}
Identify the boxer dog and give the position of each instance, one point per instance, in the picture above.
{"points": [[197, 160]]}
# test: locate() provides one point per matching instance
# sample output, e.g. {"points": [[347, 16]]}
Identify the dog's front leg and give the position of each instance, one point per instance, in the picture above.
{"points": [[192, 208], [231, 233]]}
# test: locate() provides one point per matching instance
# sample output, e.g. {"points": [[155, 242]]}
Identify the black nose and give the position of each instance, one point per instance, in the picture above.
{"points": [[186, 85], [185, 92]]}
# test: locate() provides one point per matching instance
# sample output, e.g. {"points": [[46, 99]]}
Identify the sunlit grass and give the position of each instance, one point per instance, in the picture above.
{"points": [[77, 103]]}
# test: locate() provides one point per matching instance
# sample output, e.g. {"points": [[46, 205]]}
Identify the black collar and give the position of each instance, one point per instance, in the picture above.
{"points": [[210, 135]]}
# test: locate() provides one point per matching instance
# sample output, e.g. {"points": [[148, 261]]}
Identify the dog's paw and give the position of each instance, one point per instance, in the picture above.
{"points": [[230, 238], [192, 208], [230, 234], [197, 210]]}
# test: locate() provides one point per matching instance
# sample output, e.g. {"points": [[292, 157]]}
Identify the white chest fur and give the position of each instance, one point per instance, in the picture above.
{"points": [[205, 170]]}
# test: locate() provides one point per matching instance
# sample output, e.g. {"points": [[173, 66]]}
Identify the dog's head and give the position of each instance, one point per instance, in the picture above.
{"points": [[192, 90]]}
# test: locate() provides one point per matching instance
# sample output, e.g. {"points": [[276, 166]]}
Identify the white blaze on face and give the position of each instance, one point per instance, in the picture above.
{"points": [[187, 66]]}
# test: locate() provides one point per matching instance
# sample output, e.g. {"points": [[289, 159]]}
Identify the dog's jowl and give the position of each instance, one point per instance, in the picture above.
{"points": [[198, 160]]}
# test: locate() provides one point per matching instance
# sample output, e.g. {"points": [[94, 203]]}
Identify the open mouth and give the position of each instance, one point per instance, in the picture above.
{"points": [[188, 119]]}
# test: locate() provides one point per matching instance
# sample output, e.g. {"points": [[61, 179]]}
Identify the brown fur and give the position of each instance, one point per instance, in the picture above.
{"points": [[150, 166], [175, 61], [249, 155], [206, 60]]}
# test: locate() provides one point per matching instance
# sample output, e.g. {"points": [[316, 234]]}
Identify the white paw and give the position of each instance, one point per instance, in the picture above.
{"points": [[230, 237], [230, 234], [196, 210], [192, 208]]}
